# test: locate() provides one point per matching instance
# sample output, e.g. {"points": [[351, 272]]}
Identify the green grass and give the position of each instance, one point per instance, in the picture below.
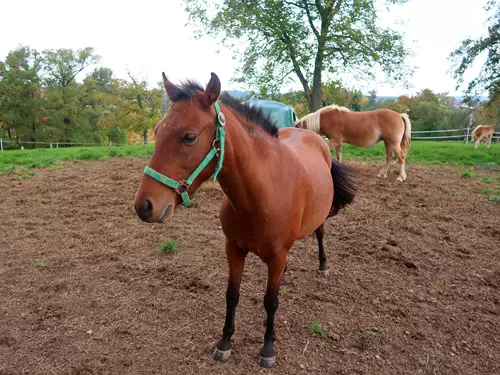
{"points": [[431, 152], [368, 334], [168, 246], [316, 328], [20, 162], [494, 198], [283, 290], [467, 173], [490, 191], [13, 161]]}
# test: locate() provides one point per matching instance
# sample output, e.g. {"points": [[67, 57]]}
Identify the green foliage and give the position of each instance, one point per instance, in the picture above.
{"points": [[117, 135], [302, 38], [467, 173], [168, 246], [316, 328], [41, 100], [469, 51], [494, 198]]}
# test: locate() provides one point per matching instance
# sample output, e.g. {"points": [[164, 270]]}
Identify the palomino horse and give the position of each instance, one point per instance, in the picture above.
{"points": [[483, 131], [363, 129], [279, 185]]}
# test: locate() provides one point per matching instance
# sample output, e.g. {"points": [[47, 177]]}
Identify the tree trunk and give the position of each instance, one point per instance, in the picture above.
{"points": [[146, 136]]}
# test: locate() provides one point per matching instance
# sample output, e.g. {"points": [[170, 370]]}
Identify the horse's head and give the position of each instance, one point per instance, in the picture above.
{"points": [[183, 138]]}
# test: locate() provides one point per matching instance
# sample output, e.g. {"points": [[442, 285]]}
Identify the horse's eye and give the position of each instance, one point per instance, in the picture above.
{"points": [[188, 138]]}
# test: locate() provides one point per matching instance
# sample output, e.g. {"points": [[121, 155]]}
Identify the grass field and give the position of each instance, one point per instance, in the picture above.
{"points": [[421, 152]]}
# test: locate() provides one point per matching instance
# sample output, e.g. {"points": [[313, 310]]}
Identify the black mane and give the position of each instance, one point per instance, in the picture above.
{"points": [[188, 89]]}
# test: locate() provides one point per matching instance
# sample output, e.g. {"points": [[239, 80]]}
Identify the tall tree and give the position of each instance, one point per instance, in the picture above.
{"points": [[303, 37], [66, 110], [469, 50], [20, 94]]}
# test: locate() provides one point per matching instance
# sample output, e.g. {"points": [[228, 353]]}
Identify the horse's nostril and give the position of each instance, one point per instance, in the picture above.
{"points": [[147, 208]]}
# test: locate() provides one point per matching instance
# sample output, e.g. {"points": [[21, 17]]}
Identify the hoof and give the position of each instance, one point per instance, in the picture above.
{"points": [[267, 361], [221, 355], [324, 273], [401, 179]]}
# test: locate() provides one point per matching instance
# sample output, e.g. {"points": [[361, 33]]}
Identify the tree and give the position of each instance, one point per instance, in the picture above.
{"points": [[469, 50], [20, 94], [143, 106], [63, 105], [302, 37]]}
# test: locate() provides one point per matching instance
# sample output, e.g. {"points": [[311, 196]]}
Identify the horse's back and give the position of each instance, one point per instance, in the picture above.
{"points": [[307, 143]]}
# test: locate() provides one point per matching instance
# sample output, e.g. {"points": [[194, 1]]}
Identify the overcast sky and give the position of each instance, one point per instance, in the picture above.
{"points": [[150, 36]]}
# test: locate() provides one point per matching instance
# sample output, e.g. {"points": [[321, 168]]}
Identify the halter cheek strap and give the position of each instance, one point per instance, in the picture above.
{"points": [[181, 187]]}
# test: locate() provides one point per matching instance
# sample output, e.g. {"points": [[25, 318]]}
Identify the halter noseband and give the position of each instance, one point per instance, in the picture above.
{"points": [[181, 187]]}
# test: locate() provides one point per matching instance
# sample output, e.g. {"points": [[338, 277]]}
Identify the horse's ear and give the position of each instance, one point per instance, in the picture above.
{"points": [[170, 88], [212, 91]]}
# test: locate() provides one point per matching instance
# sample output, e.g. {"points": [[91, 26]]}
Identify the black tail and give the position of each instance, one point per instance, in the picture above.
{"points": [[344, 188]]}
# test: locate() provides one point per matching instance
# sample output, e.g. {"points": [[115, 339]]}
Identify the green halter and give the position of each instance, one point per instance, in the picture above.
{"points": [[181, 187]]}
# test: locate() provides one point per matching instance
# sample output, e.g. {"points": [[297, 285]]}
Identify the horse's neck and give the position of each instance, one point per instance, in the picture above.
{"points": [[246, 165], [330, 120]]}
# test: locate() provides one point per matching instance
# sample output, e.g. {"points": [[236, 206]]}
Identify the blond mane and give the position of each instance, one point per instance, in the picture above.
{"points": [[312, 120]]}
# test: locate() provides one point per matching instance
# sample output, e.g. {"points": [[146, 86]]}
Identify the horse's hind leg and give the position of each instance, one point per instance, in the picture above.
{"points": [[320, 232], [388, 158], [401, 161], [236, 261]]}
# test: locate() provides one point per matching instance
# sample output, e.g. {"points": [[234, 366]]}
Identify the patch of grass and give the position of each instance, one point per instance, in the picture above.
{"points": [[494, 166], [431, 152], [316, 328], [39, 263], [490, 191], [283, 289], [494, 198], [467, 173], [368, 334], [45, 157], [170, 245], [488, 179]]}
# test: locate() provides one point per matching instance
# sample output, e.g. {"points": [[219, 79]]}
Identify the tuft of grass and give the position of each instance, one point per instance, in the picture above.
{"points": [[488, 179], [368, 334], [467, 173], [39, 263], [316, 328], [494, 198], [490, 191], [283, 289], [170, 245]]}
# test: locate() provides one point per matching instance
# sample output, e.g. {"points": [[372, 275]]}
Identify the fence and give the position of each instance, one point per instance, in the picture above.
{"points": [[466, 136], [4, 142]]}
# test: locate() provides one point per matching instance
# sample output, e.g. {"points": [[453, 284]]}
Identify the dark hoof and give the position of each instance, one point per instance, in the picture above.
{"points": [[267, 361], [324, 273], [221, 355]]}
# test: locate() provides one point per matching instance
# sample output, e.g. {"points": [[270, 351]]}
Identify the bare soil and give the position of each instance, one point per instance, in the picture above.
{"points": [[414, 286]]}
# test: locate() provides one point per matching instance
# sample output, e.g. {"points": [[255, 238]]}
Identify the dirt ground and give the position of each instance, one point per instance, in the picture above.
{"points": [[414, 286]]}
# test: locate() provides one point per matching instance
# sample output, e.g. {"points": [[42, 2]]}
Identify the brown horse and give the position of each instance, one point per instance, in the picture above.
{"points": [[279, 185], [483, 131], [363, 129]]}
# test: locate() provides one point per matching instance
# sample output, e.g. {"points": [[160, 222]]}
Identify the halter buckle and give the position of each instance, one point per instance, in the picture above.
{"points": [[183, 186]]}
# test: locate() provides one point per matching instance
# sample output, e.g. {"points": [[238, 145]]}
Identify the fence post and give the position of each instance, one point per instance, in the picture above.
{"points": [[1, 144], [50, 144], [57, 145], [110, 143], [467, 136]]}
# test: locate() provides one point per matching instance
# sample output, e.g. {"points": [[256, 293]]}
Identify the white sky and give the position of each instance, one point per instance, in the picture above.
{"points": [[150, 36]]}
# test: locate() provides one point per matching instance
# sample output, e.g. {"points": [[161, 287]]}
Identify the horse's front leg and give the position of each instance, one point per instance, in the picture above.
{"points": [[236, 262], [275, 269]]}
